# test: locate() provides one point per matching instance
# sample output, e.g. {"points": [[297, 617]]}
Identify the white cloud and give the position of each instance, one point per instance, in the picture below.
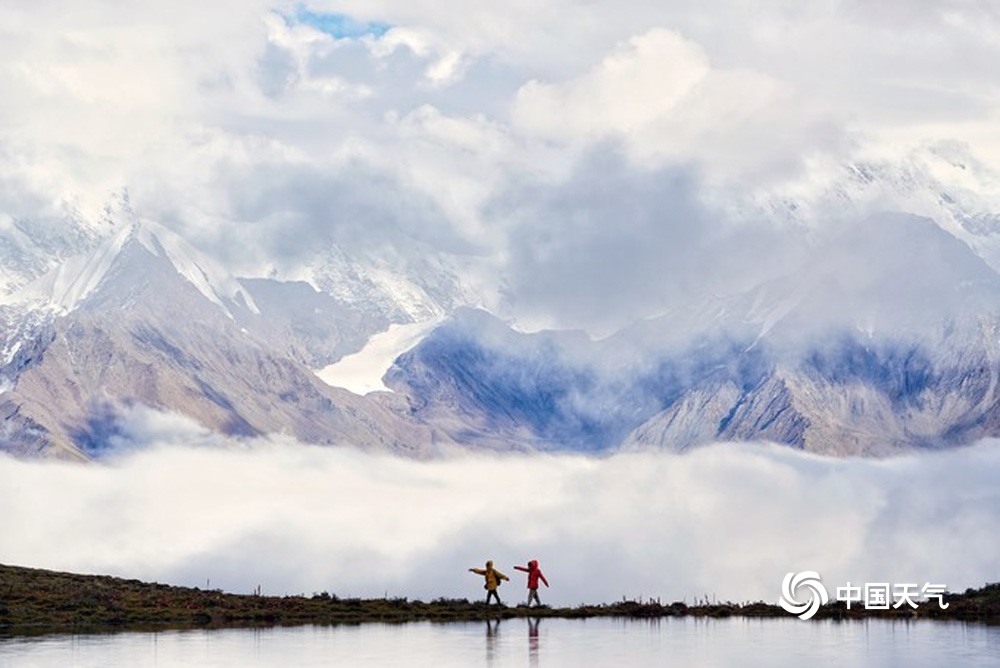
{"points": [[632, 88], [614, 242], [660, 96], [728, 521], [456, 105]]}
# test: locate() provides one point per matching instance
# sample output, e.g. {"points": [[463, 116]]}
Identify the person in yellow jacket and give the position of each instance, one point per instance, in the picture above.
{"points": [[493, 580]]}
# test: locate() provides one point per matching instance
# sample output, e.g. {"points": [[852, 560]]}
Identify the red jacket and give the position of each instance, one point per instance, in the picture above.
{"points": [[534, 574]]}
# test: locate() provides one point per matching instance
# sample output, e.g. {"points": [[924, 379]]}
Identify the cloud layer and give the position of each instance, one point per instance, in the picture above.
{"points": [[726, 521], [293, 126]]}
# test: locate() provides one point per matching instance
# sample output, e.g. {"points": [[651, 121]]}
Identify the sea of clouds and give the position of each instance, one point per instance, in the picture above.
{"points": [[725, 521]]}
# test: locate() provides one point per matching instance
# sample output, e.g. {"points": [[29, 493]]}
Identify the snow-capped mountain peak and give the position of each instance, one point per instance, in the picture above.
{"points": [[67, 286], [895, 274], [203, 272]]}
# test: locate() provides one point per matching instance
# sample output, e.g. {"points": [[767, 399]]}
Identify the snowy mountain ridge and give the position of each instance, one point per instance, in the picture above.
{"points": [[885, 339], [68, 285], [888, 340]]}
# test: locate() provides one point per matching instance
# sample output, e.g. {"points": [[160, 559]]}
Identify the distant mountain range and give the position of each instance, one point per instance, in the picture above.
{"points": [[143, 319], [885, 341]]}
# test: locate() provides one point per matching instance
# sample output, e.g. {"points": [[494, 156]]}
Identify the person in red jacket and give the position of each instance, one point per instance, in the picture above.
{"points": [[534, 575]]}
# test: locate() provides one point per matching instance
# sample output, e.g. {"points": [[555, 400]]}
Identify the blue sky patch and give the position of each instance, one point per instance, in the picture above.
{"points": [[339, 26]]}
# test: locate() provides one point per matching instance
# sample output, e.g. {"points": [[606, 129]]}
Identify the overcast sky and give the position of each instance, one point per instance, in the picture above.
{"points": [[597, 155]]}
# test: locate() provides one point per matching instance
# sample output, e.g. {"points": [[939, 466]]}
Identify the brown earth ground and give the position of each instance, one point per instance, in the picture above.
{"points": [[34, 601]]}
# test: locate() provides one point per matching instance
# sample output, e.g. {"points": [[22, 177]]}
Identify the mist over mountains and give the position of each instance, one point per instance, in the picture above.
{"points": [[542, 228], [883, 340], [300, 519], [144, 320]]}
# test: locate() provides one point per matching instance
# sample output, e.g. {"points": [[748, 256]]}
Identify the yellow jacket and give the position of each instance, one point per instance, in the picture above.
{"points": [[493, 576]]}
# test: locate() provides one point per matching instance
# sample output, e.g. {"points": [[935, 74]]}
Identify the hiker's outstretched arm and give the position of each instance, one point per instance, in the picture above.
{"points": [[521, 568]]}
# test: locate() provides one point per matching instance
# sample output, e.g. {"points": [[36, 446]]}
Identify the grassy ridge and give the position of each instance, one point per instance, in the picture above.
{"points": [[40, 601]]}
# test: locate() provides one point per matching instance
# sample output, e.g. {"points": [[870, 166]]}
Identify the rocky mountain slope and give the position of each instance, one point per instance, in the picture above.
{"points": [[144, 321], [887, 340]]}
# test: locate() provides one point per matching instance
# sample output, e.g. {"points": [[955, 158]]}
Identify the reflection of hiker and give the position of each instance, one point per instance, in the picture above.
{"points": [[534, 575], [533, 641], [493, 580], [492, 634]]}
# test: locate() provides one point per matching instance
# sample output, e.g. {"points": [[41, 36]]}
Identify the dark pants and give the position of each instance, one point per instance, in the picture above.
{"points": [[493, 593]]}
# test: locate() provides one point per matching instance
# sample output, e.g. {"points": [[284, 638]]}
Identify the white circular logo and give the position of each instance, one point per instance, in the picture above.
{"points": [[791, 584]]}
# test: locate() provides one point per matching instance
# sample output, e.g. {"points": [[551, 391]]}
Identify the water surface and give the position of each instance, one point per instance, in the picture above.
{"points": [[520, 642]]}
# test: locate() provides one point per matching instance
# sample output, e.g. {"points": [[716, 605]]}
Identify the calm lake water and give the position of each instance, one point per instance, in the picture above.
{"points": [[518, 642]]}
